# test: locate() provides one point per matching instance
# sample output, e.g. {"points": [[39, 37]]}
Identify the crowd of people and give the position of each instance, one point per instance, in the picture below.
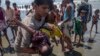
{"points": [[45, 23]]}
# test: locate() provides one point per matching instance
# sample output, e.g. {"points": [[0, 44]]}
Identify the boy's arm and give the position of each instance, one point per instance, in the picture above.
{"points": [[22, 41]]}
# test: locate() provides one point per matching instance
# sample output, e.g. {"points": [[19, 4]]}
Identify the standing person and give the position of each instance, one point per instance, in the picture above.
{"points": [[23, 39], [95, 22], [79, 27], [16, 16], [67, 23], [87, 7], [9, 16], [2, 26], [87, 17]]}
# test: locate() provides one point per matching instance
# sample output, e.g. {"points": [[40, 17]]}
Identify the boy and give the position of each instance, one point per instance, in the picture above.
{"points": [[22, 41], [95, 21], [79, 27], [16, 16]]}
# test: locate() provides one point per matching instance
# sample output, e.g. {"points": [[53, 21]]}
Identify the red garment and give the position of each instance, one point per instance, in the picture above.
{"points": [[1, 14], [17, 14]]}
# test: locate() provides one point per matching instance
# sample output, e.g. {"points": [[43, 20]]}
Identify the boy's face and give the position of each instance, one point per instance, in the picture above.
{"points": [[82, 14], [41, 10], [14, 6]]}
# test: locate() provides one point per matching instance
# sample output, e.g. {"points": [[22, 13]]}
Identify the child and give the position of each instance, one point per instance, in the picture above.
{"points": [[79, 27], [95, 20]]}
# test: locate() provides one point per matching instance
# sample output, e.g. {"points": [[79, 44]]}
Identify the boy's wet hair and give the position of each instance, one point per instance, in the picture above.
{"points": [[44, 2]]}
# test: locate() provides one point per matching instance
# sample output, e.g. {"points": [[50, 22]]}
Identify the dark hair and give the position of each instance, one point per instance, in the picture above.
{"points": [[7, 2], [44, 2], [32, 3], [97, 11], [14, 4]]}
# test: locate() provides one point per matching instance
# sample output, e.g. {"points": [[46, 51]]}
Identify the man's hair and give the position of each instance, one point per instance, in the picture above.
{"points": [[44, 2], [7, 2], [14, 4], [97, 11]]}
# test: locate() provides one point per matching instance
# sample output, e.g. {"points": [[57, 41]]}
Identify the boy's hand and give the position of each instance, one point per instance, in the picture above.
{"points": [[51, 26]]}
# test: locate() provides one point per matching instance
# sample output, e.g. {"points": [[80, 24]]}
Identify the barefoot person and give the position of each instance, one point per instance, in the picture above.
{"points": [[95, 19]]}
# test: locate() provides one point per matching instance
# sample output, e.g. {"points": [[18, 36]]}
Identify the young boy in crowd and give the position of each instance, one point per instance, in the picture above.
{"points": [[23, 39], [95, 21], [79, 27]]}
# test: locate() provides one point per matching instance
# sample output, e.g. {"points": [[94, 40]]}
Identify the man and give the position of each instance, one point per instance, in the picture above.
{"points": [[23, 38], [16, 16], [9, 13]]}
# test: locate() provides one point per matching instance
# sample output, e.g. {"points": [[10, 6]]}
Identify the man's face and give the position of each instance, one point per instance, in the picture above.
{"points": [[14, 6], [8, 4], [42, 10]]}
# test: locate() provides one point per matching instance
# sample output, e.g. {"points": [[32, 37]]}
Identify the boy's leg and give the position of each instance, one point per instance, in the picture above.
{"points": [[91, 27], [75, 38], [62, 43], [5, 33], [55, 41], [69, 43], [96, 27], [79, 39], [91, 32], [0, 40], [12, 30]]}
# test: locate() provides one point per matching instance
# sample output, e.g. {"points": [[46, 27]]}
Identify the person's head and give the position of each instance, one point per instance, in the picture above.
{"points": [[14, 5], [84, 1], [54, 7], [7, 2], [42, 7], [97, 11]]}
